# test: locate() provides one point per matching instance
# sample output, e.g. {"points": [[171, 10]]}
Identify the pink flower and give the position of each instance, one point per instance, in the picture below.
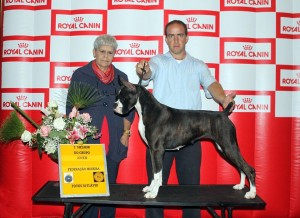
{"points": [[73, 136], [97, 135], [86, 117], [82, 131], [45, 130], [74, 113]]}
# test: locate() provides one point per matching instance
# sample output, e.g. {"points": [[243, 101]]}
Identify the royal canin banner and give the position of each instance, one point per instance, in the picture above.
{"points": [[250, 46]]}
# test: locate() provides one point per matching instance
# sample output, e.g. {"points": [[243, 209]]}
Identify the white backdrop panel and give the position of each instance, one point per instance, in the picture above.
{"points": [[25, 75], [290, 6], [21, 23], [286, 51], [78, 4], [193, 4], [204, 48], [143, 23], [72, 49], [248, 77], [287, 104], [247, 24]]}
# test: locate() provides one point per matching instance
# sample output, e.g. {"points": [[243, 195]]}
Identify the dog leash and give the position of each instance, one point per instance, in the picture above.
{"points": [[143, 73]]}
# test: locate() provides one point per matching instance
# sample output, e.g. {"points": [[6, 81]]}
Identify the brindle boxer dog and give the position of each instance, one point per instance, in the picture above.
{"points": [[165, 128]]}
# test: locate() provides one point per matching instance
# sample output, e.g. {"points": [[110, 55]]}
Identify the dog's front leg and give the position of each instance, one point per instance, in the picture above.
{"points": [[152, 189], [157, 163]]}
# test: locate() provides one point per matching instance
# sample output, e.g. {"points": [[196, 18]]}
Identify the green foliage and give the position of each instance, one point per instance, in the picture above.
{"points": [[59, 134], [11, 129], [82, 95], [39, 141], [20, 111]]}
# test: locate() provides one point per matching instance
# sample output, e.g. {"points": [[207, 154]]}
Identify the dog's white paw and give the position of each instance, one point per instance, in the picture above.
{"points": [[250, 195], [146, 188], [151, 194], [239, 187], [151, 190]]}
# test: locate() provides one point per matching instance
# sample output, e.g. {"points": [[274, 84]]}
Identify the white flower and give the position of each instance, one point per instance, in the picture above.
{"points": [[52, 104], [46, 111], [59, 123], [26, 136], [51, 146]]}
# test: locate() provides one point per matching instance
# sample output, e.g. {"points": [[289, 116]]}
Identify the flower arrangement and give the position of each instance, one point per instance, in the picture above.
{"points": [[56, 128]]}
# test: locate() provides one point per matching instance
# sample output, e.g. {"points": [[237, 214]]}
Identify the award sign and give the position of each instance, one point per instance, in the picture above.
{"points": [[82, 170]]}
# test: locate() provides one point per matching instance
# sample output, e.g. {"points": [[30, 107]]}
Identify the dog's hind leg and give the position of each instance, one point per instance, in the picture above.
{"points": [[233, 155], [245, 170], [157, 161], [242, 182], [252, 193]]}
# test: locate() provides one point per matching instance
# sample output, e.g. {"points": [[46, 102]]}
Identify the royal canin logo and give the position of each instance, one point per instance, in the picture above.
{"points": [[23, 45], [191, 19], [26, 101], [23, 49], [287, 77], [61, 73], [237, 50], [199, 23], [247, 47], [291, 80], [134, 45], [248, 5], [78, 24], [193, 25], [136, 4], [21, 98], [289, 25], [136, 48], [78, 19], [247, 100], [15, 49], [83, 22], [252, 103], [27, 4]]}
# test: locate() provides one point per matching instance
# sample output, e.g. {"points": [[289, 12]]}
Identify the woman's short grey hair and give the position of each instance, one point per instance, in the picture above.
{"points": [[106, 39]]}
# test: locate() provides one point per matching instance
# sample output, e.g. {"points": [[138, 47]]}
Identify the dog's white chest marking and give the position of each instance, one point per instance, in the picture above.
{"points": [[141, 125]]}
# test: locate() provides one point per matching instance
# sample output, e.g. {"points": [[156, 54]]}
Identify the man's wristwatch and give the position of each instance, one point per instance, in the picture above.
{"points": [[127, 132]]}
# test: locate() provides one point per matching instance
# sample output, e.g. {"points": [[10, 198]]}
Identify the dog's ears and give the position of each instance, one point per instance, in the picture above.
{"points": [[125, 83]]}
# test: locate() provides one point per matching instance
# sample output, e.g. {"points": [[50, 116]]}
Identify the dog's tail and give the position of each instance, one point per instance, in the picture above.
{"points": [[226, 111]]}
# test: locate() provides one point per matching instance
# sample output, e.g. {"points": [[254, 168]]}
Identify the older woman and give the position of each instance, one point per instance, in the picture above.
{"points": [[103, 75]]}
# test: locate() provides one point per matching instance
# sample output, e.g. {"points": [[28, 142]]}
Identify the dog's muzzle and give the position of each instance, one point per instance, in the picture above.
{"points": [[118, 107]]}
